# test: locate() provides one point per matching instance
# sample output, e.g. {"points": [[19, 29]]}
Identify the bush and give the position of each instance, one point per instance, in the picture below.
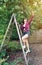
{"points": [[14, 45], [3, 56]]}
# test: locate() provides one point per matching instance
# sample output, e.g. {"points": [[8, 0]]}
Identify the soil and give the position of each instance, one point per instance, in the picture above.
{"points": [[35, 57]]}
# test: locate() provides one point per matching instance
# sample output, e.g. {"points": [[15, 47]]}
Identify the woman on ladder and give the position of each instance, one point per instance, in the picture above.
{"points": [[25, 27]]}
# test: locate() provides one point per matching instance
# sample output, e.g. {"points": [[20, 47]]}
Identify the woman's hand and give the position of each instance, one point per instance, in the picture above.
{"points": [[32, 13]]}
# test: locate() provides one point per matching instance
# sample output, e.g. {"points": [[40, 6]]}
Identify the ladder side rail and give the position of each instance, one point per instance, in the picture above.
{"points": [[20, 40], [19, 29], [6, 32]]}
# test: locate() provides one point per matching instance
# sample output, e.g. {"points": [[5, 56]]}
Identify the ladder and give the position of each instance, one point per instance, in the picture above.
{"points": [[19, 34]]}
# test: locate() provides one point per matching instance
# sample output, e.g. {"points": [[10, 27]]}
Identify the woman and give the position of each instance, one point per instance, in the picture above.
{"points": [[25, 27]]}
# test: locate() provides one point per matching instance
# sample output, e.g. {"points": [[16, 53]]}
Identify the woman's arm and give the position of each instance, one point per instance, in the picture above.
{"points": [[31, 18], [21, 27]]}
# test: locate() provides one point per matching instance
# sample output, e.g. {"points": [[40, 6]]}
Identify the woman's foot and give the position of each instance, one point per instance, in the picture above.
{"points": [[28, 51], [24, 46]]}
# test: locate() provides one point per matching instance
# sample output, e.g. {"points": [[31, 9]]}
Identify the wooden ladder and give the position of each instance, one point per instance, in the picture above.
{"points": [[19, 34]]}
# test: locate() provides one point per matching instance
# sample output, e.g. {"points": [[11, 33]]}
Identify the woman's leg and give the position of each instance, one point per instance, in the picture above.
{"points": [[23, 39], [27, 44]]}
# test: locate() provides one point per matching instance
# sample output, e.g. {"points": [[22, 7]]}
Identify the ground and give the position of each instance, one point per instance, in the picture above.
{"points": [[35, 57], [36, 54]]}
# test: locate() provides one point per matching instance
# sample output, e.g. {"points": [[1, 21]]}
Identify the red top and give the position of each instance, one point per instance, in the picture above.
{"points": [[27, 25]]}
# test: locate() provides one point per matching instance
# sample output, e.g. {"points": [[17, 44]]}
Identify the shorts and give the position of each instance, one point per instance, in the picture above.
{"points": [[25, 35], [28, 32]]}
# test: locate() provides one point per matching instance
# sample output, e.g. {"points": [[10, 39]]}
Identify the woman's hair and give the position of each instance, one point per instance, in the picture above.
{"points": [[23, 20]]}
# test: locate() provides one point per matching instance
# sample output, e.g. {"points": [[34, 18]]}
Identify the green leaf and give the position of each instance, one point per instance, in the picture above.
{"points": [[5, 0], [3, 53], [5, 63]]}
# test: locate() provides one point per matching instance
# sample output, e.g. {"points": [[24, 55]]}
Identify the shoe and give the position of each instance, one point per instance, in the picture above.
{"points": [[28, 51], [24, 46]]}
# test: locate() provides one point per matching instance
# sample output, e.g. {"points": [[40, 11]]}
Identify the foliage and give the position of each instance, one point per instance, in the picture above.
{"points": [[3, 57], [14, 45], [21, 8], [5, 63], [17, 61]]}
